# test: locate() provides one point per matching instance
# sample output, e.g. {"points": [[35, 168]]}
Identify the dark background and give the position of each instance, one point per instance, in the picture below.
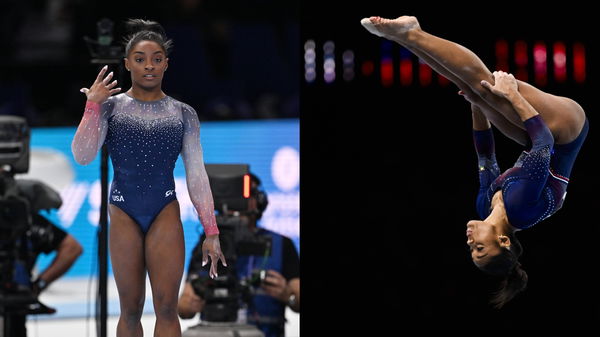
{"points": [[231, 59], [390, 179]]}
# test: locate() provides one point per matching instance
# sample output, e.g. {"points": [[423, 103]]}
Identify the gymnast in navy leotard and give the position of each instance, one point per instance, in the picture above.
{"points": [[532, 190], [551, 128], [144, 140], [145, 131], [536, 186]]}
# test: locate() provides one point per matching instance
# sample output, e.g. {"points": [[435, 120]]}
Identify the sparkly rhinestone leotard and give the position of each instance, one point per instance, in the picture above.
{"points": [[536, 186], [144, 140]]}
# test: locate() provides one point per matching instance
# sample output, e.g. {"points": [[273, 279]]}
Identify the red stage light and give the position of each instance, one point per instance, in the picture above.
{"points": [[521, 60], [540, 63], [387, 72], [579, 62], [502, 55], [425, 73], [367, 68]]}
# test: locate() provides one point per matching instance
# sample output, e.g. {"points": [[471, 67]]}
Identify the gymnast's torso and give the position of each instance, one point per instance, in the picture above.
{"points": [[536, 186], [144, 140]]}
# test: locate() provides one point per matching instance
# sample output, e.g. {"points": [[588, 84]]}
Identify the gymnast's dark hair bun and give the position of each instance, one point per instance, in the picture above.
{"points": [[146, 30], [138, 25]]}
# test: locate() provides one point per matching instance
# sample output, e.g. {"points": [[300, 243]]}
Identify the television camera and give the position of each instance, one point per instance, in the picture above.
{"points": [[19, 198], [231, 291]]}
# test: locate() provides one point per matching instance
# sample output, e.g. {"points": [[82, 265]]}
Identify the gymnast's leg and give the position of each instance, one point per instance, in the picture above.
{"points": [[507, 127], [563, 116], [127, 257], [165, 259]]}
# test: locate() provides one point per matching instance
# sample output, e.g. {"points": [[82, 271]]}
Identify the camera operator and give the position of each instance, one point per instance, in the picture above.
{"points": [[44, 237], [279, 282]]}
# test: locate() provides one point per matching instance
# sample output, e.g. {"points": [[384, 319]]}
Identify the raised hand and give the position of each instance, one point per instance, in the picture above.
{"points": [[101, 89]]}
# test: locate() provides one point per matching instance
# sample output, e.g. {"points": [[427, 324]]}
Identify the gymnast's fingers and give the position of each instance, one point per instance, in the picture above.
{"points": [[101, 73], [213, 266], [486, 84], [112, 84], [205, 258], [108, 78]]}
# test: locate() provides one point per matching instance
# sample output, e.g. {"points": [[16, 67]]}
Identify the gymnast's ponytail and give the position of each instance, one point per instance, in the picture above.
{"points": [[506, 265], [145, 30], [514, 283]]}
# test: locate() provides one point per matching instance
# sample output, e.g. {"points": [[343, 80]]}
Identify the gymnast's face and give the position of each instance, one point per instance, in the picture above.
{"points": [[147, 62], [483, 241]]}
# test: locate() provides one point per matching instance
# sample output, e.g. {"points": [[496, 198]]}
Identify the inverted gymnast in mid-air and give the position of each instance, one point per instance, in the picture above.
{"points": [[145, 130], [551, 128]]}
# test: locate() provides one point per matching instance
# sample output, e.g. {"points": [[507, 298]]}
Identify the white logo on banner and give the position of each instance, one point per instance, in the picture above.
{"points": [[72, 197], [283, 212], [285, 168], [94, 201]]}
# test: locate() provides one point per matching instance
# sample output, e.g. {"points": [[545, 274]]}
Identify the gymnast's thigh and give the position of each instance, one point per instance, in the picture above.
{"points": [[165, 251], [126, 243]]}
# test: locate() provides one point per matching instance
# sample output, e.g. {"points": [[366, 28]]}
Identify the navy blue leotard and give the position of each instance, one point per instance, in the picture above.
{"points": [[144, 140], [536, 186]]}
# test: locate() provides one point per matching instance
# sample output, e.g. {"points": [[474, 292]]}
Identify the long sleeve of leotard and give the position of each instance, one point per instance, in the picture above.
{"points": [[195, 172], [487, 164], [534, 170], [91, 132]]}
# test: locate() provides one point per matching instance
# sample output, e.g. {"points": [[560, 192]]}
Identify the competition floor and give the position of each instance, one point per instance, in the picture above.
{"points": [[75, 302]]}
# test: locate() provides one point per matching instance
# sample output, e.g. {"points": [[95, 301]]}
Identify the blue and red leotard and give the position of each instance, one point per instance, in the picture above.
{"points": [[144, 140], [536, 186]]}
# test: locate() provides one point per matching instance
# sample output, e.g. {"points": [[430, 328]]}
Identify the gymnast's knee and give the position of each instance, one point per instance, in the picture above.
{"points": [[132, 316], [166, 309]]}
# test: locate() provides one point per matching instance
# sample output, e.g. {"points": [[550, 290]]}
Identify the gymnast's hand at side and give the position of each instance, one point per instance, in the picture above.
{"points": [[505, 84], [212, 247], [101, 89]]}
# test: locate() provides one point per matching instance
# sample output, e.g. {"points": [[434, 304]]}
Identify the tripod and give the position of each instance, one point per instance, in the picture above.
{"points": [[104, 53]]}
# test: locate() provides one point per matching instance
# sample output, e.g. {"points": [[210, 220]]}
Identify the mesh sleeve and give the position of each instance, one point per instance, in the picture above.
{"points": [[91, 132], [195, 172]]}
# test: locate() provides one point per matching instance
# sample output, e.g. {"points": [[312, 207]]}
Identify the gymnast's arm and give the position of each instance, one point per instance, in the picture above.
{"points": [[483, 139], [91, 131], [537, 162], [196, 176], [505, 85]]}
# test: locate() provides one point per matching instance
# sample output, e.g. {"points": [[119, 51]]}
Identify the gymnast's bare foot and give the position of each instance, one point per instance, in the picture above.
{"points": [[395, 30]]}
